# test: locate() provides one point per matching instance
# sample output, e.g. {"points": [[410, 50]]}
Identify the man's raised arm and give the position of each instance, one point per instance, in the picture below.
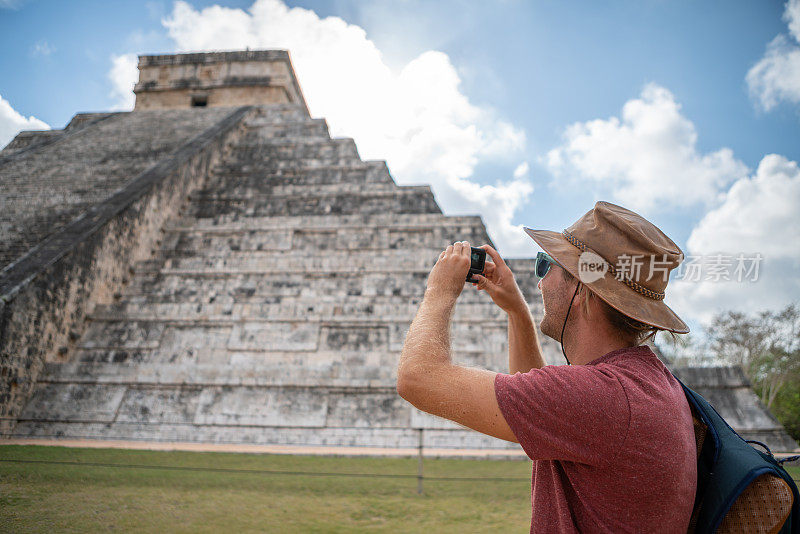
{"points": [[524, 350], [426, 376]]}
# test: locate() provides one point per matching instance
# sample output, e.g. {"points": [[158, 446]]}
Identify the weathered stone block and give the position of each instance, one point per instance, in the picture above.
{"points": [[274, 336], [123, 335], [159, 405], [358, 409], [271, 407], [75, 402]]}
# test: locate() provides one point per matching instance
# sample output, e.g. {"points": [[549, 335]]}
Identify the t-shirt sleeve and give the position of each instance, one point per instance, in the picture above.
{"points": [[568, 413]]}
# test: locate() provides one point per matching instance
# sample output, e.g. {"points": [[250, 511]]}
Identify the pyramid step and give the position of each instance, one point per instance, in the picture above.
{"points": [[275, 188], [146, 269], [183, 345], [316, 248], [278, 373], [227, 299], [324, 260], [324, 308], [198, 405], [355, 261], [378, 239], [267, 335], [334, 416], [157, 287], [258, 163], [212, 298], [300, 129], [187, 287], [375, 288], [296, 150], [279, 113], [400, 221], [213, 268], [412, 199], [272, 372], [253, 265], [184, 350], [153, 279], [224, 181], [294, 145], [245, 405], [376, 171]]}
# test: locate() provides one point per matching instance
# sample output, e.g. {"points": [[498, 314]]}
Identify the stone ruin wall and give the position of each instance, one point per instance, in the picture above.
{"points": [[78, 183]]}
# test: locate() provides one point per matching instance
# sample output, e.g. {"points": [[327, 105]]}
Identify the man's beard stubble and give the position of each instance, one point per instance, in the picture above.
{"points": [[551, 325]]}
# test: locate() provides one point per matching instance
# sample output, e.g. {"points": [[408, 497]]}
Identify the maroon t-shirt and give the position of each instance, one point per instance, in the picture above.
{"points": [[612, 444]]}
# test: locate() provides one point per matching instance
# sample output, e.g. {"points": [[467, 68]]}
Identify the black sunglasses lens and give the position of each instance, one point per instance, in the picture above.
{"points": [[542, 265]]}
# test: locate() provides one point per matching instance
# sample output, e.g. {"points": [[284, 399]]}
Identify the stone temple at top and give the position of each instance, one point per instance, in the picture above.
{"points": [[214, 267], [221, 79]]}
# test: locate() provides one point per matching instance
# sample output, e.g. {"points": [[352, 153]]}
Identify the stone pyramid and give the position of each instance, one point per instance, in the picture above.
{"points": [[242, 277], [275, 308]]}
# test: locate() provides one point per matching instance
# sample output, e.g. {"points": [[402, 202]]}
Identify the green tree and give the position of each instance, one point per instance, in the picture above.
{"points": [[767, 346]]}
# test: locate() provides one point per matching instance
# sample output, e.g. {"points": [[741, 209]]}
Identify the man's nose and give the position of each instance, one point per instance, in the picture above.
{"points": [[539, 284]]}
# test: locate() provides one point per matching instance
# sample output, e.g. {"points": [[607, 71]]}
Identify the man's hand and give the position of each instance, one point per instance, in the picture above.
{"points": [[498, 281], [448, 276]]}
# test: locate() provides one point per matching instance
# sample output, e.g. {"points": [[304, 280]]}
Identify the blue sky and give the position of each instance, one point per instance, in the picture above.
{"points": [[539, 91]]}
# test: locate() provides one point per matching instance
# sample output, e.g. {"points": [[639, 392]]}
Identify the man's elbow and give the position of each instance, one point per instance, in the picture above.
{"points": [[409, 384], [405, 384]]}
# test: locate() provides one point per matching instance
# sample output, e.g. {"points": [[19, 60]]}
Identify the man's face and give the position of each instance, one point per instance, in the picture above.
{"points": [[556, 293]]}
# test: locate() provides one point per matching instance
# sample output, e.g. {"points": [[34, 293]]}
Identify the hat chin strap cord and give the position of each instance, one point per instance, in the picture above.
{"points": [[563, 328]]}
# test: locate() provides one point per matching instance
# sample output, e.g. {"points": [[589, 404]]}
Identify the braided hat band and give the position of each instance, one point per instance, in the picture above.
{"points": [[649, 293]]}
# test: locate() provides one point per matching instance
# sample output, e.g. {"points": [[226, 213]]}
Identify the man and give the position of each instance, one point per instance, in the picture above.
{"points": [[610, 436]]}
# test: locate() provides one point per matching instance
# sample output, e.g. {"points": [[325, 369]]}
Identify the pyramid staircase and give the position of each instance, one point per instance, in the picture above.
{"points": [[276, 308]]}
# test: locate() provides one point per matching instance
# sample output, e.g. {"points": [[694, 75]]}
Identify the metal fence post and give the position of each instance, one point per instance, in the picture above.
{"points": [[419, 465]]}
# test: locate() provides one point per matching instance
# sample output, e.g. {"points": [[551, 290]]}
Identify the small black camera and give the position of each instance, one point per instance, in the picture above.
{"points": [[477, 263]]}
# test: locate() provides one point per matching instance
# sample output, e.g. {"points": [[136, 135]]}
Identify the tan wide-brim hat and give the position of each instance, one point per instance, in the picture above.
{"points": [[623, 258]]}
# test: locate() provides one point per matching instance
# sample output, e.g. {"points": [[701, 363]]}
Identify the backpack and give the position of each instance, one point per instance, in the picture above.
{"points": [[739, 488]]}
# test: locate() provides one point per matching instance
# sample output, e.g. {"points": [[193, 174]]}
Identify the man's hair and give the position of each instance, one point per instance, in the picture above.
{"points": [[636, 332]]}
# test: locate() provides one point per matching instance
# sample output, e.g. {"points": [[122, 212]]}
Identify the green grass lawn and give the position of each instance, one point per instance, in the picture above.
{"points": [[46, 497], [37, 496]]}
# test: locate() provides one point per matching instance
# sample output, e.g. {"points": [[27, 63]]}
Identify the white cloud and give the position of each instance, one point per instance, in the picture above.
{"points": [[11, 123], [792, 17], [497, 204], [645, 159], [416, 118], [123, 76], [776, 76], [522, 170], [759, 215], [42, 48]]}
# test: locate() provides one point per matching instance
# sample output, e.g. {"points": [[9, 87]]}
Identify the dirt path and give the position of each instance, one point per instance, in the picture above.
{"points": [[481, 454], [269, 449]]}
